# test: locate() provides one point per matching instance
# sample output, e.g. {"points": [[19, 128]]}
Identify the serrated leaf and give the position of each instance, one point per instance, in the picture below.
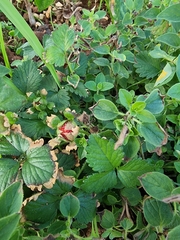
{"points": [[105, 110], [174, 91], [157, 185], [18, 142], [8, 172], [11, 98], [100, 182], [7, 148], [27, 77], [60, 99], [63, 37], [11, 199], [101, 155], [147, 66], [171, 13], [157, 213], [38, 168], [55, 55], [87, 207], [129, 173], [69, 205]]}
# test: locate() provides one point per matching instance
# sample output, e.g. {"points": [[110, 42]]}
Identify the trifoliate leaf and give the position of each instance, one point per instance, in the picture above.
{"points": [[27, 77], [147, 66], [101, 155], [60, 99]]}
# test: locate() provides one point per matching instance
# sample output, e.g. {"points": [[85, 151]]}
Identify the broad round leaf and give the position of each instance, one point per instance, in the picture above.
{"points": [[174, 91], [38, 168], [105, 110], [69, 205], [171, 13]]}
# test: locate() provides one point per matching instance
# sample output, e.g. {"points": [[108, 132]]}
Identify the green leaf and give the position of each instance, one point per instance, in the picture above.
{"points": [[8, 172], [91, 85], [146, 116], [129, 173], [69, 205], [152, 13], [8, 224], [105, 110], [101, 155], [119, 56], [138, 106], [177, 166], [154, 102], [73, 80], [11, 199], [87, 207], [18, 142], [159, 53], [108, 219], [157, 213], [55, 55], [178, 68], [3, 71], [174, 233], [152, 133], [38, 168], [125, 98], [131, 148], [157, 185], [174, 91], [7, 148], [126, 223], [171, 13], [100, 182], [133, 195], [27, 77], [39, 211], [147, 66], [106, 86], [101, 62], [171, 39], [60, 99], [11, 99], [43, 4], [104, 49], [63, 37], [138, 5]]}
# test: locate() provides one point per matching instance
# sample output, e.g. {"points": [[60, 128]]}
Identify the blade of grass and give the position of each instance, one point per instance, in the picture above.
{"points": [[3, 49], [18, 21]]}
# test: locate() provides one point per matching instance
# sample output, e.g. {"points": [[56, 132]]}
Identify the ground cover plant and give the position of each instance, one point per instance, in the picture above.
{"points": [[89, 122]]}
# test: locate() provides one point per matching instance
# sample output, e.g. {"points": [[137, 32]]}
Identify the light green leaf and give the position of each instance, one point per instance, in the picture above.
{"points": [[8, 172], [43, 4], [146, 116], [157, 213], [101, 155], [3, 71], [171, 39], [174, 233], [129, 173], [138, 106], [91, 85], [38, 168], [154, 102], [101, 62], [8, 224], [119, 56], [171, 13], [105, 110], [73, 80], [55, 55], [108, 219], [157, 52], [138, 5], [106, 86], [63, 37], [69, 205], [174, 91], [152, 133], [152, 13], [27, 77], [157, 185], [11, 199], [125, 98], [100, 182], [18, 142]]}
